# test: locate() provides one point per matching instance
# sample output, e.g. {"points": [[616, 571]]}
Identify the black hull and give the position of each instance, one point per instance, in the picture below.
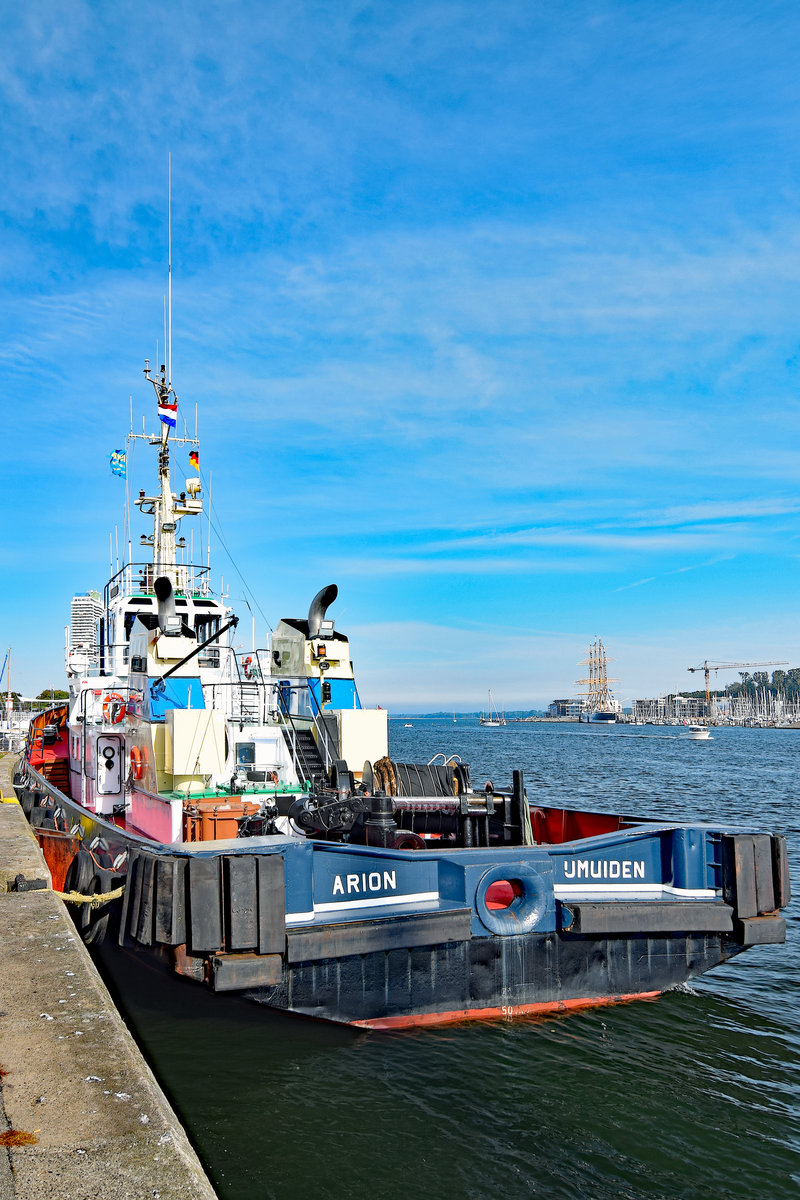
{"points": [[492, 978]]}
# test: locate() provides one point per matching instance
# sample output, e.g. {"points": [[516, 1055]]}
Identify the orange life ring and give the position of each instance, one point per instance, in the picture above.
{"points": [[114, 708], [247, 664], [137, 762]]}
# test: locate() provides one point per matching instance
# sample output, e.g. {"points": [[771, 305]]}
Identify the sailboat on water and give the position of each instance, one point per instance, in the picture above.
{"points": [[492, 718]]}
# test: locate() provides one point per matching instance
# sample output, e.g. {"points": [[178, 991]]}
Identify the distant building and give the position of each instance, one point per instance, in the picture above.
{"points": [[565, 708], [669, 708]]}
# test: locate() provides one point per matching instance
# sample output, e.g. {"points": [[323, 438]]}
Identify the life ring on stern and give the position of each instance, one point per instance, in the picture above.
{"points": [[247, 664], [137, 762], [527, 908], [114, 708]]}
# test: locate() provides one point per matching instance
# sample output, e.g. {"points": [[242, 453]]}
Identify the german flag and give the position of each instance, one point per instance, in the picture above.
{"points": [[194, 459]]}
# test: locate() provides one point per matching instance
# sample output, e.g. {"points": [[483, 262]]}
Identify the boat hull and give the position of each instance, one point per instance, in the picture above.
{"points": [[384, 938], [485, 979]]}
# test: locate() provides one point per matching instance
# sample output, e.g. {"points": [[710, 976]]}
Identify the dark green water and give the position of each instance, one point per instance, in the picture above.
{"points": [[696, 1094]]}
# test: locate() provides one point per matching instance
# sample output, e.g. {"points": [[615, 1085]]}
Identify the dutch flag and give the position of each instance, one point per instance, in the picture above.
{"points": [[168, 413]]}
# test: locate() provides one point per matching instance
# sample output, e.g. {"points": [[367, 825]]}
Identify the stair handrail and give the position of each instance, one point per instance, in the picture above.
{"points": [[265, 682], [331, 754], [300, 765]]}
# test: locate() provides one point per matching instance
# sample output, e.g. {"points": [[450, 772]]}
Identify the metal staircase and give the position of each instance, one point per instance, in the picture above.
{"points": [[305, 753]]}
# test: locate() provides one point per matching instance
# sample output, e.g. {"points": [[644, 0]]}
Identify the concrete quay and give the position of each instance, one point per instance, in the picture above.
{"points": [[82, 1116]]}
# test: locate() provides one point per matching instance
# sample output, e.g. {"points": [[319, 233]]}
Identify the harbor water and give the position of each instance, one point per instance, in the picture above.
{"points": [[694, 1094]]}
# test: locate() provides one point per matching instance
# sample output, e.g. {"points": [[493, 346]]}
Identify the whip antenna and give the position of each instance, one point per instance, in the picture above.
{"points": [[169, 273]]}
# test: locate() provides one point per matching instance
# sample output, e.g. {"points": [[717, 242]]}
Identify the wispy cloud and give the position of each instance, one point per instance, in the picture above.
{"points": [[638, 583], [723, 510]]}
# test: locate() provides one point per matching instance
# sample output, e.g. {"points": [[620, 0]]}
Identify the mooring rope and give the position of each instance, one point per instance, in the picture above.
{"points": [[96, 901]]}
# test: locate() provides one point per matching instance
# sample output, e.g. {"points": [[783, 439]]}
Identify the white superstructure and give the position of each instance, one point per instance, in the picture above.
{"points": [[165, 705]]}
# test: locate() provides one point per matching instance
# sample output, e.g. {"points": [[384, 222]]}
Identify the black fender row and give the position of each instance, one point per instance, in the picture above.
{"points": [[209, 904], [755, 873]]}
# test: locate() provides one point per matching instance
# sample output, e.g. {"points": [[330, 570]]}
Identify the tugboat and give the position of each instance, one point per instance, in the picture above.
{"points": [[237, 814]]}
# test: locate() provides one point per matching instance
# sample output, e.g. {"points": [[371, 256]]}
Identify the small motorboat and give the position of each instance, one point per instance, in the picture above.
{"points": [[697, 733]]}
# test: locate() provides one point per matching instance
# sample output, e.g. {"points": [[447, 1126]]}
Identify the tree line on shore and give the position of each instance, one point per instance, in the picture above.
{"points": [[45, 698]]}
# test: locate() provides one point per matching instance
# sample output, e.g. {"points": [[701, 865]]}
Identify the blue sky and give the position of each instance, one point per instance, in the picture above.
{"points": [[491, 315]]}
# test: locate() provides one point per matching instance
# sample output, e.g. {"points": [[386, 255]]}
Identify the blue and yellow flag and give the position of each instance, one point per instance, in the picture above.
{"points": [[118, 462]]}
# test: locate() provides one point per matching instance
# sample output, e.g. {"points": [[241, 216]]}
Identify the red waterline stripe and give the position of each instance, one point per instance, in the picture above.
{"points": [[507, 1011]]}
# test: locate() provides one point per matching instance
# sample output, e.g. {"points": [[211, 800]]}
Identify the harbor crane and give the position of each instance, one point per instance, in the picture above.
{"points": [[707, 667]]}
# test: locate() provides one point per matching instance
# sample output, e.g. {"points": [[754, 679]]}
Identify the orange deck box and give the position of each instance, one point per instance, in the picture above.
{"points": [[212, 820]]}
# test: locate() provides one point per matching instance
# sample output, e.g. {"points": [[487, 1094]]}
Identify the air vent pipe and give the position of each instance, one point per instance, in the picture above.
{"points": [[319, 606]]}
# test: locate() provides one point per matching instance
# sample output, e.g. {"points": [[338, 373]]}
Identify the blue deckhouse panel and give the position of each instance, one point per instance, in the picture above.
{"points": [[174, 693], [344, 693]]}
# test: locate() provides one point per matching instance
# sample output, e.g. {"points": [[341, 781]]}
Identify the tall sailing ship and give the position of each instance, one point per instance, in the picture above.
{"points": [[601, 706]]}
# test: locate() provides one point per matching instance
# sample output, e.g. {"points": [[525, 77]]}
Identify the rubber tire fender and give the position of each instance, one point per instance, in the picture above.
{"points": [[526, 910], [86, 878]]}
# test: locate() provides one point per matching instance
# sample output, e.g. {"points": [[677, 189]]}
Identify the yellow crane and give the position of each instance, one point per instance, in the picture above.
{"points": [[707, 667]]}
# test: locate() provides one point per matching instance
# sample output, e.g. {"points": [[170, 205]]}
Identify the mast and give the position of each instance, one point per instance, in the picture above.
{"points": [[164, 523], [166, 508], [169, 274]]}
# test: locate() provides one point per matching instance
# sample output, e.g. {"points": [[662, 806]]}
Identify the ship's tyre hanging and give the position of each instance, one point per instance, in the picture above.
{"points": [[526, 909], [79, 873], [88, 879], [42, 816], [96, 920]]}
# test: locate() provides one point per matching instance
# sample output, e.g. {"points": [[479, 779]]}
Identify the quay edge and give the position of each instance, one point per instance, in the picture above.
{"points": [[81, 1113]]}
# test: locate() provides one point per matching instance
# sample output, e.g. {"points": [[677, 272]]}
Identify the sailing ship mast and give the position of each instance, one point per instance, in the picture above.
{"points": [[599, 697]]}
